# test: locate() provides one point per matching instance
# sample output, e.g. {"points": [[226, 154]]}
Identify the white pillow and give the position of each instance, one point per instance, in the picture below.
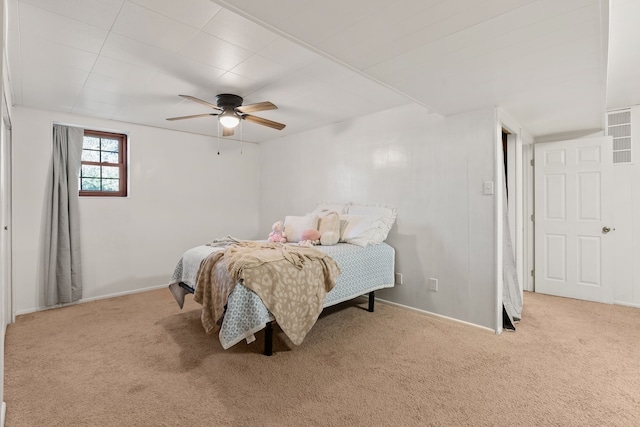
{"points": [[295, 225], [387, 214], [361, 230], [341, 208]]}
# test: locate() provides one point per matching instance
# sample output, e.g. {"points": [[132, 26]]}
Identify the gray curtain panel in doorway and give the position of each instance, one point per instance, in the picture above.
{"points": [[511, 290], [62, 275]]}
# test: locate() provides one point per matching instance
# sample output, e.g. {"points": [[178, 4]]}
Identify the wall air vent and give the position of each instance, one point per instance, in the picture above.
{"points": [[619, 127]]}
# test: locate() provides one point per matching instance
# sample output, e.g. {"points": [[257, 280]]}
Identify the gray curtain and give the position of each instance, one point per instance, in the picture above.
{"points": [[62, 275]]}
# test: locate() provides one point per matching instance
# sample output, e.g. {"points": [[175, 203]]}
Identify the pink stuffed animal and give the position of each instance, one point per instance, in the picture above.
{"points": [[310, 237], [277, 234]]}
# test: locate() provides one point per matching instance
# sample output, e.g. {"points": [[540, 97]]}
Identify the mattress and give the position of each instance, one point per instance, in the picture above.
{"points": [[364, 269]]}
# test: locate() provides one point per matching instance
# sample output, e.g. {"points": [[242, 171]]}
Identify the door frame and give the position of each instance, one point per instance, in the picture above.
{"points": [[518, 142], [7, 198]]}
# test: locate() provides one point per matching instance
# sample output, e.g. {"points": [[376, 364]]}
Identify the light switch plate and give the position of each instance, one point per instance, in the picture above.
{"points": [[487, 188]]}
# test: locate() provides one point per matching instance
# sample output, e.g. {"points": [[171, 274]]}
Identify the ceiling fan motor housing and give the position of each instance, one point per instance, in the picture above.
{"points": [[228, 101]]}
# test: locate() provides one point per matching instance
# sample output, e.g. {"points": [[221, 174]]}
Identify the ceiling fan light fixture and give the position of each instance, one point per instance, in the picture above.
{"points": [[229, 119]]}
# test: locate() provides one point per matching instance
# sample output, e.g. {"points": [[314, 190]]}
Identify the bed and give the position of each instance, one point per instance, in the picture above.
{"points": [[338, 251], [363, 270]]}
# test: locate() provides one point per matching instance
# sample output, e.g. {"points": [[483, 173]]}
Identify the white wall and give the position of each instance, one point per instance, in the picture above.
{"points": [[432, 169], [182, 194], [5, 204], [626, 221]]}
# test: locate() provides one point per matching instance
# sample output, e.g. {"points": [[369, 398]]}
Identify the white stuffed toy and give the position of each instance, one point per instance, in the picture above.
{"points": [[277, 234], [329, 228]]}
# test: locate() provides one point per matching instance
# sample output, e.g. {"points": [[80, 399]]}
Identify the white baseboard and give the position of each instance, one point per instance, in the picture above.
{"points": [[3, 413], [152, 288], [83, 300], [627, 304], [429, 313]]}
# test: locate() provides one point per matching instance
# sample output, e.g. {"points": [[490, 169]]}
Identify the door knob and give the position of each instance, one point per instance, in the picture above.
{"points": [[605, 229]]}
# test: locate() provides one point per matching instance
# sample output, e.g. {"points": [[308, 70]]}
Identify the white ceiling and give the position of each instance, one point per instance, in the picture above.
{"points": [[320, 62]]}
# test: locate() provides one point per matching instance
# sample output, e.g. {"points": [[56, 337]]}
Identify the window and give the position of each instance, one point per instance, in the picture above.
{"points": [[104, 164]]}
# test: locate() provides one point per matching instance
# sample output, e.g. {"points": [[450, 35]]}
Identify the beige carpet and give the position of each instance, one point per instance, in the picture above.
{"points": [[140, 361]]}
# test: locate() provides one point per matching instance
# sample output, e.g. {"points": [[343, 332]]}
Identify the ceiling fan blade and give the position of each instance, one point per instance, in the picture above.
{"points": [[227, 131], [208, 104], [260, 106], [264, 122], [191, 117]]}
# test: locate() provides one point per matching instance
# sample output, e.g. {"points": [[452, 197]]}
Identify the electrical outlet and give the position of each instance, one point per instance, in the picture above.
{"points": [[433, 284], [398, 279]]}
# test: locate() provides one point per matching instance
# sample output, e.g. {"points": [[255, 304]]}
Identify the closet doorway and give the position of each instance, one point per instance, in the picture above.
{"points": [[509, 209], [512, 168]]}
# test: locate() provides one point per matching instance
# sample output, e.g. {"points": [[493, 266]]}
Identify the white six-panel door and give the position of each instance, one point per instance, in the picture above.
{"points": [[573, 229]]}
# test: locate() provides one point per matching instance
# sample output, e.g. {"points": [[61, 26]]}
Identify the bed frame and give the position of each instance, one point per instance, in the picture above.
{"points": [[268, 332]]}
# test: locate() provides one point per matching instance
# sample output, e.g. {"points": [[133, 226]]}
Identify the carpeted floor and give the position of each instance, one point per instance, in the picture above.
{"points": [[140, 361]]}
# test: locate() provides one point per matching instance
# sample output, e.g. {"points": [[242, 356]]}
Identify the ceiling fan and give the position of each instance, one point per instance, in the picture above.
{"points": [[230, 111]]}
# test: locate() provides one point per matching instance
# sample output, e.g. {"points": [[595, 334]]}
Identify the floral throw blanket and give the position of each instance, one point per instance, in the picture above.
{"points": [[292, 282]]}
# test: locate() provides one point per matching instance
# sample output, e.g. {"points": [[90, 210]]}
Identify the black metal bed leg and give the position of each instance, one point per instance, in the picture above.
{"points": [[268, 340], [372, 297]]}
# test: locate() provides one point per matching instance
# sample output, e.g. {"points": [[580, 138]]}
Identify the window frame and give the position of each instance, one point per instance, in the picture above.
{"points": [[122, 165]]}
